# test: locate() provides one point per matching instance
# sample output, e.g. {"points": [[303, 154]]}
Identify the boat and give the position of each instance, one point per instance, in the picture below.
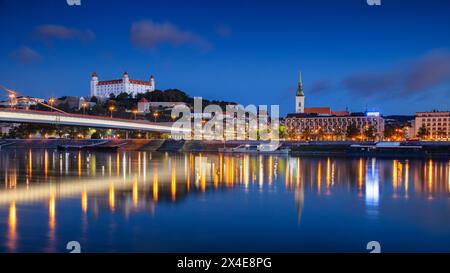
{"points": [[105, 145], [388, 149], [256, 149]]}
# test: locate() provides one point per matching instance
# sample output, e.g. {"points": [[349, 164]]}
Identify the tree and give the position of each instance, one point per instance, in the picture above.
{"points": [[96, 135], [94, 99], [441, 133], [291, 133], [369, 132], [352, 131], [319, 134], [123, 96], [423, 132], [64, 107], [306, 133], [282, 131], [338, 133]]}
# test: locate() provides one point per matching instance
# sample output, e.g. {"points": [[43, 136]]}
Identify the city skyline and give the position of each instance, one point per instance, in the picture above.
{"points": [[224, 135], [350, 54]]}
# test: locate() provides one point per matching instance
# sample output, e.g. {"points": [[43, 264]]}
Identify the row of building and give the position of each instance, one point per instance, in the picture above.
{"points": [[305, 123], [433, 125], [328, 123]]}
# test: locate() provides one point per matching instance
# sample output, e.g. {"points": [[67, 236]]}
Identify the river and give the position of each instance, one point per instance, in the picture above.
{"points": [[181, 202]]}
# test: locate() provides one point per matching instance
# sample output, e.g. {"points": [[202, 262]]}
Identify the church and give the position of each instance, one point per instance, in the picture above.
{"points": [[329, 122], [103, 89], [300, 104]]}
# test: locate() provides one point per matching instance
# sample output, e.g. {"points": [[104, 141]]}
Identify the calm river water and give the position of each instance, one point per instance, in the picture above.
{"points": [[157, 202]]}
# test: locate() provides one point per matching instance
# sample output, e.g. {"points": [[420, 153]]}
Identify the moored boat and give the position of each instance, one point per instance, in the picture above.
{"points": [[256, 149]]}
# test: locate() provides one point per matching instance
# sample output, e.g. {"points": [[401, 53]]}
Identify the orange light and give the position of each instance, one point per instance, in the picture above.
{"points": [[84, 201]]}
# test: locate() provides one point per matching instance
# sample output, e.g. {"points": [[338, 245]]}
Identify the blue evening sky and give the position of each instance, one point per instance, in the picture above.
{"points": [[394, 58]]}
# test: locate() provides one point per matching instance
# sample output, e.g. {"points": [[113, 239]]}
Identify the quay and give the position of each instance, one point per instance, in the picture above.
{"points": [[417, 149]]}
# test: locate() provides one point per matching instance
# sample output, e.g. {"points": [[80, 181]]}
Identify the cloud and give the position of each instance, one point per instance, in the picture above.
{"points": [[25, 55], [320, 86], [431, 70], [50, 33], [223, 31], [411, 78], [150, 35]]}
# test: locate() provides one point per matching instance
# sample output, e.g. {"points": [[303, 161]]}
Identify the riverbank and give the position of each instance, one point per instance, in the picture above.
{"points": [[347, 149]]}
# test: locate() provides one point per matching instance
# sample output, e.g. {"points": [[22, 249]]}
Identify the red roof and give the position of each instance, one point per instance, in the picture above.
{"points": [[325, 111], [140, 82], [143, 100], [109, 82], [318, 110], [341, 113], [120, 81]]}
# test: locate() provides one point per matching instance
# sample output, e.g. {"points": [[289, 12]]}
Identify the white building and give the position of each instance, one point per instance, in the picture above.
{"points": [[332, 125], [300, 97], [21, 102], [6, 127], [145, 106], [436, 125], [124, 85], [314, 120]]}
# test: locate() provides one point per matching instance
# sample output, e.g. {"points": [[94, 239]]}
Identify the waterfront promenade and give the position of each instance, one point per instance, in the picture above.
{"points": [[297, 148]]}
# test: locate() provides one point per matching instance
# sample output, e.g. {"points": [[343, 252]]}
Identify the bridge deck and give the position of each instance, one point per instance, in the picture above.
{"points": [[45, 117]]}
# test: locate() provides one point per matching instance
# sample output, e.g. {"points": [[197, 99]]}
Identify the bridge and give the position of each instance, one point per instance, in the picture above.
{"points": [[61, 118], [58, 117]]}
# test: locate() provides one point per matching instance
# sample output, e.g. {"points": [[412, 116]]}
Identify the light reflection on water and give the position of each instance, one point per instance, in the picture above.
{"points": [[142, 201]]}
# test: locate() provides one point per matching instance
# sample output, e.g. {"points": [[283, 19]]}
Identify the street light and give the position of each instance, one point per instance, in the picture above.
{"points": [[155, 115], [12, 100], [135, 112], [84, 105], [51, 101], [111, 109]]}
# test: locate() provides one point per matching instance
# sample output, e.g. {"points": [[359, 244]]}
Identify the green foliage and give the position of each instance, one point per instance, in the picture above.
{"points": [[282, 131], [352, 131], [423, 132], [369, 133], [394, 132]]}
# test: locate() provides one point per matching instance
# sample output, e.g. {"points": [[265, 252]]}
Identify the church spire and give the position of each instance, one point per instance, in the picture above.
{"points": [[300, 85]]}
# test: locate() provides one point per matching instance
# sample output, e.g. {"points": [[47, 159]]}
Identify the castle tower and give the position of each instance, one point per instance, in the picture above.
{"points": [[94, 82], [300, 96], [125, 77], [152, 82], [126, 83]]}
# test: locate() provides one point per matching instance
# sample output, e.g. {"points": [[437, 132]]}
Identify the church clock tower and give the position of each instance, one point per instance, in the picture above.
{"points": [[300, 97]]}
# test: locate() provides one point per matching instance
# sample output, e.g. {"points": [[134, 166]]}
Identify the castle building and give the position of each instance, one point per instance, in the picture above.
{"points": [[125, 85]]}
